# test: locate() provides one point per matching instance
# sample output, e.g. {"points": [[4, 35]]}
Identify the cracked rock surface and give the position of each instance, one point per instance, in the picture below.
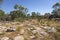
{"points": [[25, 31]]}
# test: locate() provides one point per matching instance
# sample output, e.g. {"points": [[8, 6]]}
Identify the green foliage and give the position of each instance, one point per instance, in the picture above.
{"points": [[15, 6], [20, 13], [20, 8], [2, 15], [35, 15], [46, 15], [56, 10], [18, 29], [56, 6], [19, 19]]}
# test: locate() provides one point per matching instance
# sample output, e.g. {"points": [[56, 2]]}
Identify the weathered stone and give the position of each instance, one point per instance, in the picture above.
{"points": [[28, 29], [5, 38], [22, 31], [19, 38], [32, 36], [11, 29], [50, 29], [34, 31], [42, 32], [2, 29]]}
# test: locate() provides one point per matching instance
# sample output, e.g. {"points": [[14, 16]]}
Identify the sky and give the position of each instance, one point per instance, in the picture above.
{"points": [[42, 6]]}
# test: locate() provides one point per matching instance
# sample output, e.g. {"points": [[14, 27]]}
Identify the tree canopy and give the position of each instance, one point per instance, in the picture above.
{"points": [[21, 12]]}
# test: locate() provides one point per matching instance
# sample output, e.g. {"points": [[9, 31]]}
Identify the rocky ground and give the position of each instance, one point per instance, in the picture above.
{"points": [[26, 31]]}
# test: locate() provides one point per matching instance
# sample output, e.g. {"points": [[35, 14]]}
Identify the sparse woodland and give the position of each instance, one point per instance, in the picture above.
{"points": [[20, 24]]}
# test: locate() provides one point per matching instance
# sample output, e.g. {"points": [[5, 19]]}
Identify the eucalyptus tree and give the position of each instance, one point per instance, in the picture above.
{"points": [[19, 12], [33, 15], [46, 15], [2, 15], [56, 6], [56, 10]]}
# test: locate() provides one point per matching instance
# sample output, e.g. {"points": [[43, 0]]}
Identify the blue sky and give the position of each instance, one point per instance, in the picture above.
{"points": [[41, 6]]}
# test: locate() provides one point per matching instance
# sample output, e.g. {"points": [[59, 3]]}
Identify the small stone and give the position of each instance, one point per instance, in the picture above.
{"points": [[34, 31], [2, 29], [22, 31], [32, 36], [11, 29], [52, 29]]}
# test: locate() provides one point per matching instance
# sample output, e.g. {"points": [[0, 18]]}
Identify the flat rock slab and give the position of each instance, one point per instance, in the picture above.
{"points": [[19, 38], [5, 38]]}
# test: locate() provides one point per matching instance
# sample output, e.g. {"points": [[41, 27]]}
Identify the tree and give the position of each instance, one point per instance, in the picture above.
{"points": [[8, 17], [38, 16], [16, 6], [56, 6], [33, 15], [46, 15], [56, 10], [2, 15], [20, 8], [19, 12], [28, 16]]}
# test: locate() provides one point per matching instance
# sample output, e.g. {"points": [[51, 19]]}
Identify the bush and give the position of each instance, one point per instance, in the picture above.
{"points": [[19, 19]]}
